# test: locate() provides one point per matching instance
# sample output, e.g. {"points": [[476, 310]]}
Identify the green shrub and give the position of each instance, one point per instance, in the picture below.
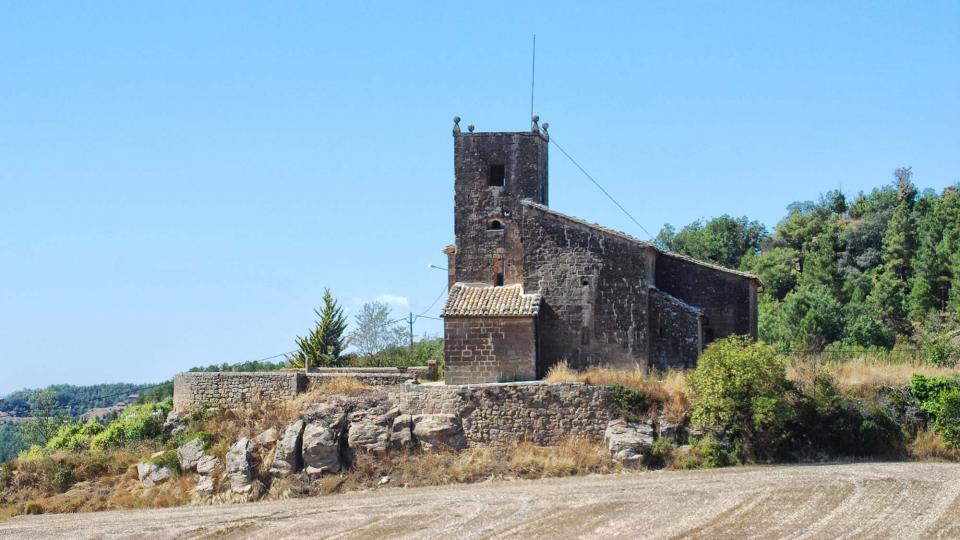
{"points": [[661, 453], [741, 388], [75, 435], [948, 421], [169, 459], [632, 402], [831, 424], [136, 423], [929, 390], [6, 473], [63, 477]]}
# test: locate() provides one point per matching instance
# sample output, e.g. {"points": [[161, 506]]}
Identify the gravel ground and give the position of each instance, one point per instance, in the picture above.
{"points": [[863, 500]]}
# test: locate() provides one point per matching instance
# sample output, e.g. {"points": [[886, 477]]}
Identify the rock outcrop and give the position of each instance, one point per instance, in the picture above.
{"points": [[322, 438], [240, 466], [370, 429], [439, 431], [189, 454], [628, 442], [151, 474], [401, 433], [287, 457]]}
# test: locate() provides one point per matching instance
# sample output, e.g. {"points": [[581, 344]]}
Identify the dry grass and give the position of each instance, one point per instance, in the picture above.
{"points": [[929, 446], [522, 460], [864, 377], [667, 391], [97, 480], [342, 385]]}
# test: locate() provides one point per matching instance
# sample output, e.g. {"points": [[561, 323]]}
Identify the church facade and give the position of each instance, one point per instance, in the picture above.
{"points": [[530, 286]]}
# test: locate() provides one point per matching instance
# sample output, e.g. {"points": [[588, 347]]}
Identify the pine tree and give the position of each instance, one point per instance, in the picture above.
{"points": [[324, 345], [930, 283], [890, 288]]}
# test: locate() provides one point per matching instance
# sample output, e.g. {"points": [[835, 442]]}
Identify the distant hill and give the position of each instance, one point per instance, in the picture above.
{"points": [[75, 400]]}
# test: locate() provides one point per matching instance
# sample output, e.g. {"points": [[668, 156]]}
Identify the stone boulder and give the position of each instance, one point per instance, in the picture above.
{"points": [[151, 474], [370, 429], [321, 448], [240, 466], [438, 431], [189, 454], [401, 433], [670, 431], [287, 457], [174, 425], [206, 465], [267, 438], [204, 485], [323, 435], [628, 442]]}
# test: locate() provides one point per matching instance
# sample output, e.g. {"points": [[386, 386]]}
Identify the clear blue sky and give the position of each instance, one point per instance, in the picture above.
{"points": [[179, 182]]}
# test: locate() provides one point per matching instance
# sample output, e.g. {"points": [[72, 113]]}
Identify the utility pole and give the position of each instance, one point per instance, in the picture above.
{"points": [[411, 331]]}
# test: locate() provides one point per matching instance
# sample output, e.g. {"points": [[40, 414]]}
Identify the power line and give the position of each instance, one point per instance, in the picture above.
{"points": [[441, 295], [553, 139]]}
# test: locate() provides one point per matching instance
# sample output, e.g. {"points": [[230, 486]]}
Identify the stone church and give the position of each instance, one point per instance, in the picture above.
{"points": [[530, 286]]}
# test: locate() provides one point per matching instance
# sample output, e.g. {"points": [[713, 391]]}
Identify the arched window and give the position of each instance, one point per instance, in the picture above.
{"points": [[494, 225]]}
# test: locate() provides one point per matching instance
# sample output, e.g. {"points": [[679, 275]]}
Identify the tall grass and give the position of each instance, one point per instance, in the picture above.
{"points": [[666, 392]]}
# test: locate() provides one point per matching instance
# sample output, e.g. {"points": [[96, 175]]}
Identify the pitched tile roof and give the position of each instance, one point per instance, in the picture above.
{"points": [[466, 300]]}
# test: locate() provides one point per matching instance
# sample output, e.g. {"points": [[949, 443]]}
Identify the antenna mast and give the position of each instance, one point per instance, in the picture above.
{"points": [[533, 73]]}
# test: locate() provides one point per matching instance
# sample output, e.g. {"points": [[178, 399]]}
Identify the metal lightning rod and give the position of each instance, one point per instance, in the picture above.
{"points": [[533, 73]]}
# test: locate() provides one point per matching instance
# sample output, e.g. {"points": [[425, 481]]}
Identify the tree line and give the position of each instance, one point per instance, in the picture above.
{"points": [[876, 273]]}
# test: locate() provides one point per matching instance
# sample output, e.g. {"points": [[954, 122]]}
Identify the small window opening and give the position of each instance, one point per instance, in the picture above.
{"points": [[495, 225], [497, 176], [584, 282], [584, 336]]}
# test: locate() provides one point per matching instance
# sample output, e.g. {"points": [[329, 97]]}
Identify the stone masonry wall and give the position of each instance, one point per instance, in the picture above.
{"points": [[486, 349], [234, 390], [594, 285], [538, 412], [676, 328], [523, 157], [728, 300]]}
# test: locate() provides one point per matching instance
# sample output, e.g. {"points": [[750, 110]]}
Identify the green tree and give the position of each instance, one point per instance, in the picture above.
{"points": [[723, 240], [324, 345], [808, 319], [890, 288], [46, 417], [777, 268]]}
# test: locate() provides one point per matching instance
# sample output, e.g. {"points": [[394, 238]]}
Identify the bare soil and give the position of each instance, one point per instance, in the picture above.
{"points": [[861, 500]]}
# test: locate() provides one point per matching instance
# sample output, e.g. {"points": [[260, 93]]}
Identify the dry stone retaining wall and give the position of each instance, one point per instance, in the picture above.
{"points": [[496, 413], [232, 390], [539, 412]]}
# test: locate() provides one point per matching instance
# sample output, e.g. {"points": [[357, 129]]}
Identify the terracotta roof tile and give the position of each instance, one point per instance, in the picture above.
{"points": [[467, 300]]}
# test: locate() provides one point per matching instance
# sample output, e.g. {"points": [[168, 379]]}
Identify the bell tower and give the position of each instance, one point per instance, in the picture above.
{"points": [[493, 172]]}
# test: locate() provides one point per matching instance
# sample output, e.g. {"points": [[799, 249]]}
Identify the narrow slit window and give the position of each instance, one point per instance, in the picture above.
{"points": [[497, 176], [584, 336]]}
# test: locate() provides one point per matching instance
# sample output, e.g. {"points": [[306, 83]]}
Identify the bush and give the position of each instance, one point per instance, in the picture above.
{"points": [[831, 424], [136, 423], [75, 435], [948, 421], [741, 388], [632, 402], [928, 392]]}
